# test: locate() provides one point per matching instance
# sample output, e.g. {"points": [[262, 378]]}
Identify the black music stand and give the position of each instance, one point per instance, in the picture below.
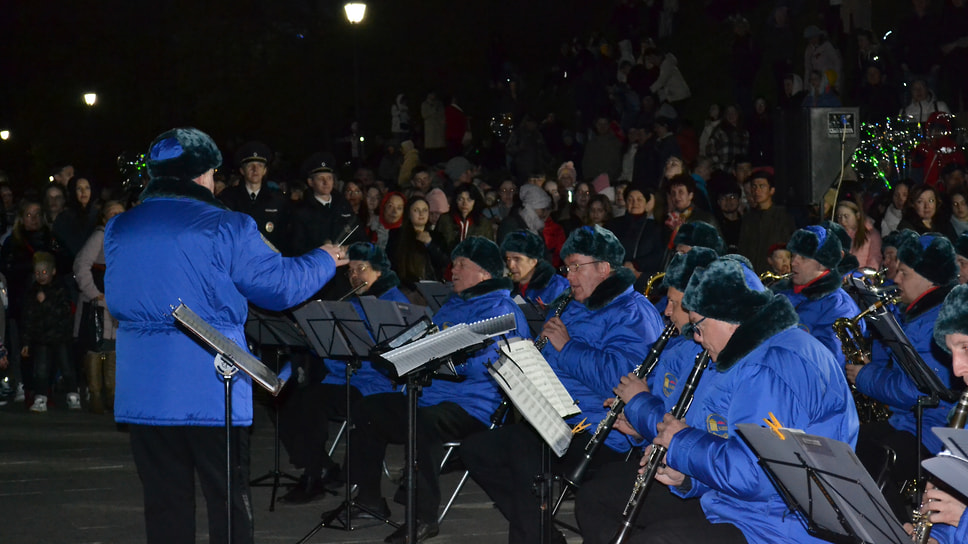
{"points": [[336, 331], [417, 363], [951, 465], [822, 480], [231, 358], [264, 329], [888, 331], [533, 313], [388, 319], [435, 293]]}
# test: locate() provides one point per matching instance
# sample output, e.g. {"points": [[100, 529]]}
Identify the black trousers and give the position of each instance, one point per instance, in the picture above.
{"points": [[304, 419], [505, 461], [664, 518], [168, 458], [381, 420], [871, 443]]}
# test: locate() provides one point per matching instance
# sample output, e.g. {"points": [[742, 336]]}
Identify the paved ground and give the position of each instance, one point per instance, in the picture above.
{"points": [[68, 477]]}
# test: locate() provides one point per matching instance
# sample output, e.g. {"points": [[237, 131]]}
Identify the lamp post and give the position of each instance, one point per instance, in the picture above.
{"points": [[355, 13]]}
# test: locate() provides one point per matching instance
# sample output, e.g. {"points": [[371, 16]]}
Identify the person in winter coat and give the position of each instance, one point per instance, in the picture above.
{"points": [[306, 412], [670, 86], [535, 279], [923, 103], [400, 118], [447, 410], [466, 219], [46, 334], [600, 336], [820, 55], [432, 111], [760, 363], [180, 245], [926, 273], [865, 240]]}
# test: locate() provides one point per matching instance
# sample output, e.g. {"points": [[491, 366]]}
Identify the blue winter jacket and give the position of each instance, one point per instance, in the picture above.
{"points": [[367, 380], [769, 365], [819, 305], [644, 410], [180, 245], [478, 394], [545, 285], [611, 333], [884, 380], [946, 534]]}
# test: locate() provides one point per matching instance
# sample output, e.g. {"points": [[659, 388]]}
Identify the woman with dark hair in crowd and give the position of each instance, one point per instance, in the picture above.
{"points": [[417, 253], [55, 199], [599, 211], [925, 212], [465, 218], [959, 210], [574, 214], [75, 224], [640, 234], [353, 193]]}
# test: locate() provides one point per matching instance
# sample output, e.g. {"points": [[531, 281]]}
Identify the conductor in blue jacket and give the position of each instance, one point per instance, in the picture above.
{"points": [[447, 410], [182, 245], [602, 335]]}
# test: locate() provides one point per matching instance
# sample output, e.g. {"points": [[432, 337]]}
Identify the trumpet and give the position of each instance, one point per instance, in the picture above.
{"points": [[856, 349], [560, 309], [922, 522], [770, 277]]}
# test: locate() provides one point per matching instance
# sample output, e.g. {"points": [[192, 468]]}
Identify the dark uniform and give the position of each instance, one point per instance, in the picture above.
{"points": [[269, 207]]}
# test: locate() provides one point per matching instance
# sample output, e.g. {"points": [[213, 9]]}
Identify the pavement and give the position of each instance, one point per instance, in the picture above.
{"points": [[68, 477]]}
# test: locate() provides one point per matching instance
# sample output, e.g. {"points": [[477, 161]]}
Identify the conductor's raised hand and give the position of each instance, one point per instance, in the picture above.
{"points": [[338, 253]]}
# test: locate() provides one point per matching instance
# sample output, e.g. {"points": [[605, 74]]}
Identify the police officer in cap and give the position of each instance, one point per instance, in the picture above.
{"points": [[253, 197]]}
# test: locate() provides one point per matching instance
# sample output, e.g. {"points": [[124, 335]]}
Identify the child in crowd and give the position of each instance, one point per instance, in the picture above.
{"points": [[779, 259], [47, 332]]}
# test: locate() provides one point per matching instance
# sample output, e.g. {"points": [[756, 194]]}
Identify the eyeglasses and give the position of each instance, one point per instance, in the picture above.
{"points": [[565, 270], [356, 271], [695, 326]]}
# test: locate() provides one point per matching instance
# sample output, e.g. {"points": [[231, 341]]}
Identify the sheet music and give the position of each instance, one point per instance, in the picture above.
{"points": [[532, 404], [436, 346], [527, 357], [259, 372]]}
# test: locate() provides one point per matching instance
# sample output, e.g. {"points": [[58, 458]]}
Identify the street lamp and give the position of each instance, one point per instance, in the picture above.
{"points": [[355, 13], [90, 98], [4, 135]]}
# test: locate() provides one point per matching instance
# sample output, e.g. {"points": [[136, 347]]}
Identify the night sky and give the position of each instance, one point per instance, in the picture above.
{"points": [[279, 71]]}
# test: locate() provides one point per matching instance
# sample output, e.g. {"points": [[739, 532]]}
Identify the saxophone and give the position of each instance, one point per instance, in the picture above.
{"points": [[855, 349], [651, 283], [922, 522], [560, 309], [769, 277]]}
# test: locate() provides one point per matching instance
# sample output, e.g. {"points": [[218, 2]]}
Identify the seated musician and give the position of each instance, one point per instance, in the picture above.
{"points": [[534, 278], [815, 287], [448, 410], [306, 413], [926, 273], [761, 363], [601, 335], [948, 514]]}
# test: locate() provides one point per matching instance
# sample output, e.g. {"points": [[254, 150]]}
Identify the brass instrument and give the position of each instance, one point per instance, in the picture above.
{"points": [[650, 284], [922, 522], [560, 309], [643, 482], [856, 349], [770, 277]]}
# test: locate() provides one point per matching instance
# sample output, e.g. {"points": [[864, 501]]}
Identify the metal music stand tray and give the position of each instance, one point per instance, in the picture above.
{"points": [[231, 359], [267, 329], [822, 480]]}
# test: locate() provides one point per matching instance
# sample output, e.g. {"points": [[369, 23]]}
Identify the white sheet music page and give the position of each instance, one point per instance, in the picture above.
{"points": [[523, 353]]}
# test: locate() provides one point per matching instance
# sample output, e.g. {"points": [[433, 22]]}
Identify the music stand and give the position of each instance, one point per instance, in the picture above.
{"points": [[336, 331], [951, 465], [435, 293], [266, 328], [231, 359], [388, 318], [884, 325], [822, 480], [416, 362], [533, 313]]}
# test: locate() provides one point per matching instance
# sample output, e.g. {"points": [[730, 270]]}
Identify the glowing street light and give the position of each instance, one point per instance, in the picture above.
{"points": [[4, 134], [355, 12], [90, 98]]}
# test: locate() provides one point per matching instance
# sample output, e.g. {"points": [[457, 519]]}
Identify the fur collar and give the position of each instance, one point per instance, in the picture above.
{"points": [[778, 315], [162, 187], [387, 280], [543, 272], [485, 287], [926, 303], [818, 289], [611, 287]]}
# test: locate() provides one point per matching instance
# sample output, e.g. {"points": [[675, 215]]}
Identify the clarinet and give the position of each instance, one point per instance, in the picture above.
{"points": [[643, 482], [560, 309], [618, 405], [922, 523]]}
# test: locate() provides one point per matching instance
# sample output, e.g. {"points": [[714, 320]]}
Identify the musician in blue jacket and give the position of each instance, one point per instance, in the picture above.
{"points": [[926, 273], [306, 411], [761, 363], [600, 336], [182, 245], [815, 287], [948, 513], [448, 411], [534, 278]]}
